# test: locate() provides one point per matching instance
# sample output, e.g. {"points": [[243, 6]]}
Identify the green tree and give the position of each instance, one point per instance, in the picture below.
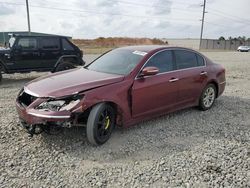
{"points": [[222, 38], [242, 39]]}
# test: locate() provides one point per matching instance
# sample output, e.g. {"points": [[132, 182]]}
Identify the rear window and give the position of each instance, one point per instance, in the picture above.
{"points": [[66, 45], [185, 59], [200, 60], [50, 43]]}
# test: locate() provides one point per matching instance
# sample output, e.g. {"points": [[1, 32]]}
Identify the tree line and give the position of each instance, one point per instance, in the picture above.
{"points": [[239, 38]]}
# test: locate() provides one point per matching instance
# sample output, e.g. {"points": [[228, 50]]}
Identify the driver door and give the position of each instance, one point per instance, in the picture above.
{"points": [[26, 53], [156, 93]]}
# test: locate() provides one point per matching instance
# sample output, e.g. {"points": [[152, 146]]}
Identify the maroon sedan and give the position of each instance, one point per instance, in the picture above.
{"points": [[121, 87]]}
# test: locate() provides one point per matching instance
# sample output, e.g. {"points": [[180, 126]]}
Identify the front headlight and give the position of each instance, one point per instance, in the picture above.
{"points": [[58, 105], [69, 105]]}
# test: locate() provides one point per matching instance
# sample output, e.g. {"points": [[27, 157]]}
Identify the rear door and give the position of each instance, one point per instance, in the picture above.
{"points": [[192, 74], [26, 54], [50, 51], [159, 92]]}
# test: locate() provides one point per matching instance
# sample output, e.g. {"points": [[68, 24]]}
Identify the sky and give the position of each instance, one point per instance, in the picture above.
{"points": [[128, 18]]}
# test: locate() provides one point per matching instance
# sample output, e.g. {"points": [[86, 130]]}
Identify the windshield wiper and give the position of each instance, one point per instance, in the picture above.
{"points": [[85, 67]]}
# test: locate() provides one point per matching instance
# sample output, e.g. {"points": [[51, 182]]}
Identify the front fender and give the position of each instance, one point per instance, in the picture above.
{"points": [[116, 94], [62, 58]]}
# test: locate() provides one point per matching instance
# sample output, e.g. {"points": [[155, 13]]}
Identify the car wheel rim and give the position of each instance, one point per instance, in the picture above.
{"points": [[104, 125], [209, 97]]}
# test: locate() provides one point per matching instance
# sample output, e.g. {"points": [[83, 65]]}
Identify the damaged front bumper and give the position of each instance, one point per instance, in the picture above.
{"points": [[35, 122]]}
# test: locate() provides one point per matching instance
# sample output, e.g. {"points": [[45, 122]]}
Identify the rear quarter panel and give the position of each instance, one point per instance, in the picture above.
{"points": [[217, 75]]}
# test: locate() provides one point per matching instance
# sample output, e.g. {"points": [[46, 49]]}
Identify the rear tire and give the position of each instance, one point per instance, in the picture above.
{"points": [[101, 122], [64, 66], [207, 97], [0, 76]]}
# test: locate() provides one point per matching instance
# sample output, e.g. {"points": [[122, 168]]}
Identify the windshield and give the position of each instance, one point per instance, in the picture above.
{"points": [[118, 61]]}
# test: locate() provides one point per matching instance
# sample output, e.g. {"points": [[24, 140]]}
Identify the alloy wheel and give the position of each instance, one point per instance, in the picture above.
{"points": [[209, 97], [104, 124]]}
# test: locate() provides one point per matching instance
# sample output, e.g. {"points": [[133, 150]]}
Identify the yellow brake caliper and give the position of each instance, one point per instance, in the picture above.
{"points": [[107, 123]]}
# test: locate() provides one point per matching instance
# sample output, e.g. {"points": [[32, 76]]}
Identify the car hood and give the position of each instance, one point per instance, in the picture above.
{"points": [[69, 82]]}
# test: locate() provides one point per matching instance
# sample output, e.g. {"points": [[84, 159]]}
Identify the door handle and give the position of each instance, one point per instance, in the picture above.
{"points": [[173, 79], [203, 73]]}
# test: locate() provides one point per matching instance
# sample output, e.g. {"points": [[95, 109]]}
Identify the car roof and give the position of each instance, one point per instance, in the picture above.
{"points": [[39, 36], [149, 48]]}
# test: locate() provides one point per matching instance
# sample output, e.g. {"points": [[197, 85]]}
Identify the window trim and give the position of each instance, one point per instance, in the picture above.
{"points": [[37, 43], [137, 77]]}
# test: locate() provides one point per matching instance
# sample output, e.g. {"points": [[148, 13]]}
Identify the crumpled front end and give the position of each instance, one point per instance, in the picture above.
{"points": [[36, 113]]}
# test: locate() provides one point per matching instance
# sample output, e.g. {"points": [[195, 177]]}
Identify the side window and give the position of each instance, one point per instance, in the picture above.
{"points": [[28, 43], [48, 43], [162, 60], [185, 59], [200, 60], [66, 45]]}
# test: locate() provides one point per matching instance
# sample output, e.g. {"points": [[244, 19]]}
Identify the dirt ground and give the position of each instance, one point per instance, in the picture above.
{"points": [[188, 148]]}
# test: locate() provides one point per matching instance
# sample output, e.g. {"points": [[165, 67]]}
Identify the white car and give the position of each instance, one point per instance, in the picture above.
{"points": [[243, 48]]}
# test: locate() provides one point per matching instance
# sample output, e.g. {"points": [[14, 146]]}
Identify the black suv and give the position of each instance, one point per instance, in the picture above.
{"points": [[39, 53]]}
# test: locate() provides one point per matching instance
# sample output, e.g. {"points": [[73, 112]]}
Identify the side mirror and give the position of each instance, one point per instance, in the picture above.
{"points": [[149, 71]]}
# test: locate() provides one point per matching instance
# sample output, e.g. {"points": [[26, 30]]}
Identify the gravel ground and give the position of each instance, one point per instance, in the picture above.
{"points": [[188, 148]]}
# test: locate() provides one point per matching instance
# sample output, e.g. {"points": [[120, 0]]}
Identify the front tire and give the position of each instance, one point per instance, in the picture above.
{"points": [[64, 66], [207, 97], [0, 76], [101, 122]]}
